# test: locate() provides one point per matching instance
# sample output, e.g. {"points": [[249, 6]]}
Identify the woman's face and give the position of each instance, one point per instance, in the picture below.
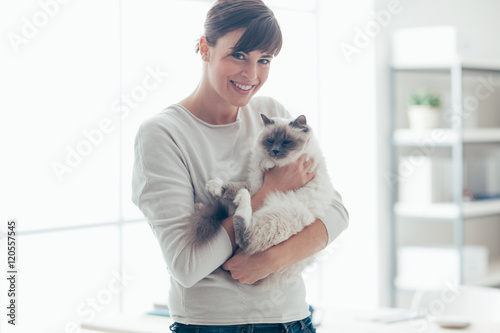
{"points": [[236, 76]]}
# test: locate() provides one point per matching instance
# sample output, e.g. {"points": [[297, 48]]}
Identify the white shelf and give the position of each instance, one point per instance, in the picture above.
{"points": [[482, 135], [480, 64], [448, 210], [467, 64], [491, 279], [445, 136]]}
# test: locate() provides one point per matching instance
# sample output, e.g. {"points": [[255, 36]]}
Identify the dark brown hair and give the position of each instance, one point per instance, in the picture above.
{"points": [[262, 32]]}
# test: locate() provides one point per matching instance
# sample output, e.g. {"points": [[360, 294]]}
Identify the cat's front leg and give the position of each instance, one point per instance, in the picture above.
{"points": [[242, 216], [225, 190]]}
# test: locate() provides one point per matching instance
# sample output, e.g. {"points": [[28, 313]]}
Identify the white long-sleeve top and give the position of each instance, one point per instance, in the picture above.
{"points": [[175, 155]]}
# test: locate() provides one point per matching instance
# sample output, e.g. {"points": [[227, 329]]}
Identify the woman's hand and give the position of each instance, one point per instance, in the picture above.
{"points": [[248, 269], [287, 178]]}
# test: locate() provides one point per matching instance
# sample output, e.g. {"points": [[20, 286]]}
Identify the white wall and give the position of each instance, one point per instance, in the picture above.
{"points": [[348, 133]]}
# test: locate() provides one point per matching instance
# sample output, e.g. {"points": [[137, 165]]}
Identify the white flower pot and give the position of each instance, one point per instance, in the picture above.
{"points": [[423, 117]]}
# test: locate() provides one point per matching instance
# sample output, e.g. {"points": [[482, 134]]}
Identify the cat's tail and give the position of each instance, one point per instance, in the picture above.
{"points": [[205, 222]]}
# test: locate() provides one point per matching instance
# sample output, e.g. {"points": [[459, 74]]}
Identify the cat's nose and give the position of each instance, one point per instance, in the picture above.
{"points": [[276, 151]]}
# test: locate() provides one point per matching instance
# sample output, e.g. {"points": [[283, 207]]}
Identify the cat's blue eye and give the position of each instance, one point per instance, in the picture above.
{"points": [[286, 142], [270, 140]]}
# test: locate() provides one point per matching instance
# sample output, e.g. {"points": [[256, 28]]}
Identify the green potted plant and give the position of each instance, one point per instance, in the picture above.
{"points": [[423, 109]]}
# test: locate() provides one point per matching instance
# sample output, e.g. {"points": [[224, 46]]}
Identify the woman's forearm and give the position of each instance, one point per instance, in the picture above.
{"points": [[250, 269], [300, 246]]}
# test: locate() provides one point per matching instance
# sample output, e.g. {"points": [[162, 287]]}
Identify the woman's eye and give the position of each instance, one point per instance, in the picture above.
{"points": [[270, 140], [265, 61], [239, 56]]}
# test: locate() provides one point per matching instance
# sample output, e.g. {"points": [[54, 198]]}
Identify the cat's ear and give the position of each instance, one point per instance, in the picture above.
{"points": [[266, 120], [301, 123]]}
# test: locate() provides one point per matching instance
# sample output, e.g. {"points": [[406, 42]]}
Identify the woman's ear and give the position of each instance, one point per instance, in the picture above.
{"points": [[204, 49]]}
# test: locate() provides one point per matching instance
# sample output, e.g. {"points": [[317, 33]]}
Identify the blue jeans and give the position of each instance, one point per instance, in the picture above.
{"points": [[299, 326]]}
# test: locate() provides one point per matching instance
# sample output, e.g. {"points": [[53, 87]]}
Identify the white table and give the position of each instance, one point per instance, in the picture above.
{"points": [[335, 320], [355, 321], [124, 323]]}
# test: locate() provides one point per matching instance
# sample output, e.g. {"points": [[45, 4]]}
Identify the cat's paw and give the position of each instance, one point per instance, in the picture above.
{"points": [[242, 198], [215, 187]]}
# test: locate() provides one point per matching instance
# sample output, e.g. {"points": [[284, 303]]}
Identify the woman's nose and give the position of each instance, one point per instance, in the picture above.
{"points": [[250, 71]]}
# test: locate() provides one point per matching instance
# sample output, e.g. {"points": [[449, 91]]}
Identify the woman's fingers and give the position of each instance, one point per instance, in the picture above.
{"points": [[248, 269], [302, 159], [291, 176], [307, 168], [305, 161]]}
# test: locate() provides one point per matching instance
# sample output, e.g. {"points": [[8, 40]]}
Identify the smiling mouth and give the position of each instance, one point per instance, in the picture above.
{"points": [[243, 87]]}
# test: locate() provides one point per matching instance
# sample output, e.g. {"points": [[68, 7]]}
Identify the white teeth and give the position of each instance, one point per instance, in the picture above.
{"points": [[241, 86]]}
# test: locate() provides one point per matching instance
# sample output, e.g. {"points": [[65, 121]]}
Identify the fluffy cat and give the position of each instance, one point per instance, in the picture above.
{"points": [[283, 214]]}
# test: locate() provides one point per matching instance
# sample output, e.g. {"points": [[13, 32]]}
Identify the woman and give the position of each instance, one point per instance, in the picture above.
{"points": [[208, 134]]}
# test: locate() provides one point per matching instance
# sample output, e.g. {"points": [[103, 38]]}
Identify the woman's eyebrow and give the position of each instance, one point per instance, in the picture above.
{"points": [[263, 56]]}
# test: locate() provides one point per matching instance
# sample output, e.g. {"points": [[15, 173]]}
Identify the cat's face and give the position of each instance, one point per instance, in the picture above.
{"points": [[284, 138]]}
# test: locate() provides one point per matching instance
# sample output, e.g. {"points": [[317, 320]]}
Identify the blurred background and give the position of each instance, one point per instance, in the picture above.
{"points": [[78, 78]]}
